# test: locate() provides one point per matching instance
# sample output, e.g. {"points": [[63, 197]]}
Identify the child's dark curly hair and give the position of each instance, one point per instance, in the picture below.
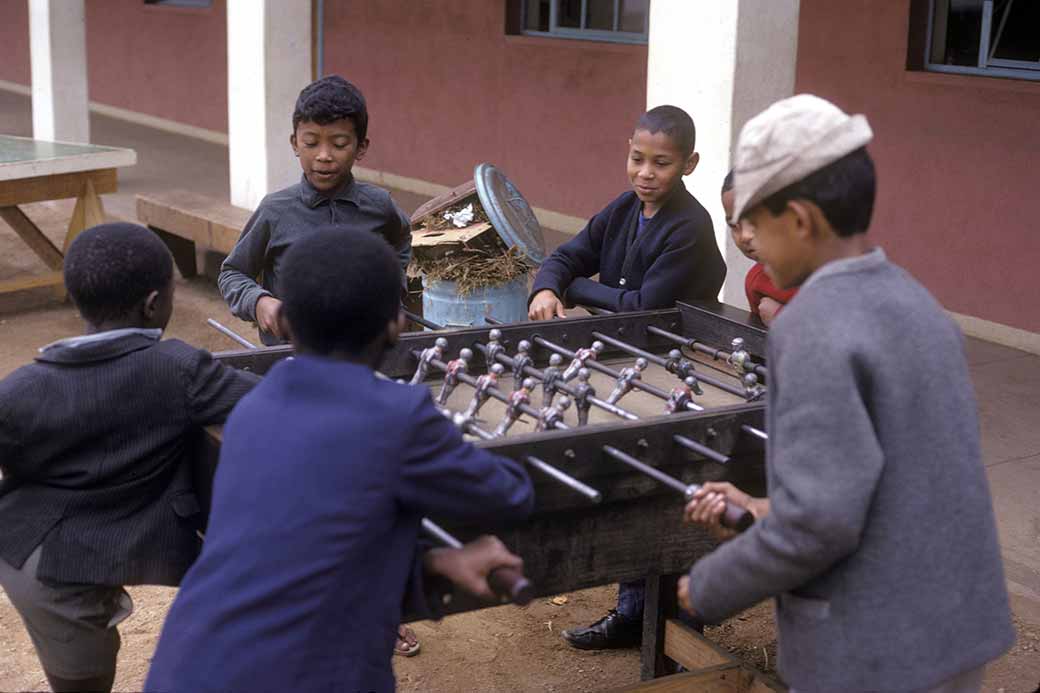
{"points": [[329, 99]]}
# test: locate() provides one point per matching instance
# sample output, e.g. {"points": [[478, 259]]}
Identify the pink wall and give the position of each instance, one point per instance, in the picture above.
{"points": [[169, 62], [447, 89], [957, 158], [14, 37]]}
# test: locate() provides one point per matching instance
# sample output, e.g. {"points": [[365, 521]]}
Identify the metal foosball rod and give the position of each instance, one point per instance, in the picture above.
{"points": [[607, 370], [508, 583], [733, 517], [420, 320], [682, 440], [716, 354], [470, 426], [228, 332], [563, 387], [654, 358]]}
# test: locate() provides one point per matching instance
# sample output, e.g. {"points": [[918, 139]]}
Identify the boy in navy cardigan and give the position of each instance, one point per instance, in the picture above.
{"points": [[95, 440], [324, 474], [651, 246]]}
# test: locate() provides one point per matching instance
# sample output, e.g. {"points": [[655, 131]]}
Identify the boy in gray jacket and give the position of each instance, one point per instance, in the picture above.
{"points": [[878, 537]]}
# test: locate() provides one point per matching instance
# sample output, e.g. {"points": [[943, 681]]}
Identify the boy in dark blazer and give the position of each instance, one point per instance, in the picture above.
{"points": [[652, 246], [94, 444], [325, 472], [878, 538]]}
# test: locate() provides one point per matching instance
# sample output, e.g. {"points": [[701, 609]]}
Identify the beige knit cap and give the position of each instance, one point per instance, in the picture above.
{"points": [[788, 141]]}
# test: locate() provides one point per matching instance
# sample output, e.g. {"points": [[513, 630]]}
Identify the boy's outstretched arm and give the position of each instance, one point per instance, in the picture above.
{"points": [[213, 388], [682, 269], [578, 257], [445, 477], [239, 271]]}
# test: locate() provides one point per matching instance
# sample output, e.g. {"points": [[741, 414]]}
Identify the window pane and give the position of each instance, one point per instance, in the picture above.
{"points": [[959, 44], [569, 14], [1020, 39], [600, 15], [633, 15], [536, 15]]}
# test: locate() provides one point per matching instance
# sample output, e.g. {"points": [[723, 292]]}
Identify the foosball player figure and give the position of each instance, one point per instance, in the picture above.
{"points": [[494, 348], [739, 359], [548, 417], [580, 357], [877, 539], [677, 365], [484, 383], [346, 524], [582, 392], [625, 380], [521, 361], [753, 390], [451, 375], [428, 356], [682, 395], [550, 376], [517, 399]]}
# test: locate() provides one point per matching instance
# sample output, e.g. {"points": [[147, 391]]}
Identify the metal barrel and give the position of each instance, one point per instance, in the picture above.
{"points": [[420, 320], [228, 332], [565, 479], [444, 302]]}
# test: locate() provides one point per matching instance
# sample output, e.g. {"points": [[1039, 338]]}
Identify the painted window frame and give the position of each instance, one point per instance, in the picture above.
{"points": [[987, 65], [557, 31]]}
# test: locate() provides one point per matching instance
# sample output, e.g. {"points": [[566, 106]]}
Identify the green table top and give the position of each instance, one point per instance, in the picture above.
{"points": [[22, 157]]}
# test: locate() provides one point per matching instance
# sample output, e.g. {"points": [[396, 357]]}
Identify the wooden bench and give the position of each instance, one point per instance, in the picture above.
{"points": [[710, 668], [188, 222]]}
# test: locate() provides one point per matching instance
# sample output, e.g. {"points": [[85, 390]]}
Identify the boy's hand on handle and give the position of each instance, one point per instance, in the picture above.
{"points": [[545, 306], [267, 309], [471, 566], [709, 503], [768, 308]]}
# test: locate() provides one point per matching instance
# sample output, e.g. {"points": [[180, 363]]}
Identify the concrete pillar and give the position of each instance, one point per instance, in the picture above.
{"points": [[269, 62], [722, 62], [58, 45]]}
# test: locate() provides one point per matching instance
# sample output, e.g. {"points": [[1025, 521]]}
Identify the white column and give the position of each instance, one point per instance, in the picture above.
{"points": [[722, 62], [269, 62], [58, 45]]}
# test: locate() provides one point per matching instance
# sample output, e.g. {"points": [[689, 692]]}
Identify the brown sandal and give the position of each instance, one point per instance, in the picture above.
{"points": [[407, 644]]}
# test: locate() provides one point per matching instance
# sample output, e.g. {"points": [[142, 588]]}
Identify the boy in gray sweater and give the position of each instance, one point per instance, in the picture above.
{"points": [[878, 537]]}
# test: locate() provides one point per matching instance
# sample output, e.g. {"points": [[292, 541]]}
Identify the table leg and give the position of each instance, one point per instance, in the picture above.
{"points": [[661, 603], [88, 212], [33, 237]]}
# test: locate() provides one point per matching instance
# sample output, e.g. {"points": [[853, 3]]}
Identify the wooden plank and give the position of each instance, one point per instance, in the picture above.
{"points": [[35, 281], [57, 187], [87, 213], [432, 244], [33, 237], [211, 223], [442, 202], [659, 605], [727, 678], [691, 649]]}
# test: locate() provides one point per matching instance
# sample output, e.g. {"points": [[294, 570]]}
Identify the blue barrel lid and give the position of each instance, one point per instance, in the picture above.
{"points": [[509, 212]]}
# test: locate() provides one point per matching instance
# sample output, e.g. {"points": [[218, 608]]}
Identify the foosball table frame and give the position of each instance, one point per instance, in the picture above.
{"points": [[625, 524]]}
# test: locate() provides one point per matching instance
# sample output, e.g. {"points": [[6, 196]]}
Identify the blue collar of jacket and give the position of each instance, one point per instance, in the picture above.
{"points": [[99, 347], [312, 197]]}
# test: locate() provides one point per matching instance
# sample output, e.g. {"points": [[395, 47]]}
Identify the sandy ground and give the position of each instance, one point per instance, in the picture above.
{"points": [[495, 650]]}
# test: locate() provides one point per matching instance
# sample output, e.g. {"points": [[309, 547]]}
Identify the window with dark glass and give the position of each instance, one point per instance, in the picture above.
{"points": [[999, 38], [598, 20]]}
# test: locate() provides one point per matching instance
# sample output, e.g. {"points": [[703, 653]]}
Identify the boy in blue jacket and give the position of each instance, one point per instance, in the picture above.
{"points": [[652, 246], [324, 475]]}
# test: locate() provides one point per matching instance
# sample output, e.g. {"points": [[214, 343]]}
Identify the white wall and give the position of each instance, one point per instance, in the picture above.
{"points": [[58, 46], [722, 61]]}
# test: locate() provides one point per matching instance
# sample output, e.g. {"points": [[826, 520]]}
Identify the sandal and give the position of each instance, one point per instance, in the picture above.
{"points": [[407, 644]]}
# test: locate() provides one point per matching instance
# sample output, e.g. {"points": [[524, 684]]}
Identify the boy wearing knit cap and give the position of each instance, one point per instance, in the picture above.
{"points": [[878, 537]]}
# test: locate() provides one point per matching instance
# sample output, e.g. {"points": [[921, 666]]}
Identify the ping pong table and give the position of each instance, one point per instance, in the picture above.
{"points": [[37, 171]]}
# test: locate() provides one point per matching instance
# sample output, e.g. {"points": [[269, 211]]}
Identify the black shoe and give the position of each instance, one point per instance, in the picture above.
{"points": [[613, 631]]}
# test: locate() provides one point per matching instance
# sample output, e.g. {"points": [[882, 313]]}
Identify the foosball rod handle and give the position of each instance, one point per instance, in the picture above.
{"points": [[508, 583], [733, 517]]}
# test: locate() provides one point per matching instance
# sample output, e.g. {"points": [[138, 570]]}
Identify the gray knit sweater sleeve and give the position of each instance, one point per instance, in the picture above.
{"points": [[825, 461], [241, 269]]}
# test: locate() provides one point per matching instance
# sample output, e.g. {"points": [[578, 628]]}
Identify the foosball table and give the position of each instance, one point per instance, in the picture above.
{"points": [[617, 417]]}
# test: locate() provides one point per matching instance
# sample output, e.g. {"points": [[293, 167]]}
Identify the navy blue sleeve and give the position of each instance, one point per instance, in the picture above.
{"points": [[578, 257], [446, 477], [685, 269]]}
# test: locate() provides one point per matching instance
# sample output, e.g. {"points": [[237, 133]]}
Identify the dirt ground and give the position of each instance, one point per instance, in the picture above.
{"points": [[495, 650]]}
